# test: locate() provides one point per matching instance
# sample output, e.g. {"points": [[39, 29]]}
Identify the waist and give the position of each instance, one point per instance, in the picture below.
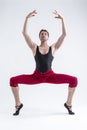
{"points": [[43, 73], [43, 69]]}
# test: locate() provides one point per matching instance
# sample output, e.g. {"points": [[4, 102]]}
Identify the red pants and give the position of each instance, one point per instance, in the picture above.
{"points": [[48, 77]]}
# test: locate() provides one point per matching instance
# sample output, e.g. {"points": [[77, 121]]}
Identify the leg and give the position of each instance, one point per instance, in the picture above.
{"points": [[15, 91], [62, 79], [71, 90], [18, 104], [70, 96], [21, 79], [68, 103]]}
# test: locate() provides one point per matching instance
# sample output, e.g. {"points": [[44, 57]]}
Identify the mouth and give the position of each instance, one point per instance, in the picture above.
{"points": [[43, 37]]}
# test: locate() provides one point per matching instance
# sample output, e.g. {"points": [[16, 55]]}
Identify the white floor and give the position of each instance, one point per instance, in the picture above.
{"points": [[32, 118]]}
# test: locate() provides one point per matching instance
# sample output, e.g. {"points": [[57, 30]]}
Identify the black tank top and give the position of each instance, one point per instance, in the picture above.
{"points": [[43, 61]]}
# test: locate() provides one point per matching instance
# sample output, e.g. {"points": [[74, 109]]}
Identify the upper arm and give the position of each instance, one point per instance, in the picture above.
{"points": [[30, 43], [57, 44], [59, 41], [28, 40]]}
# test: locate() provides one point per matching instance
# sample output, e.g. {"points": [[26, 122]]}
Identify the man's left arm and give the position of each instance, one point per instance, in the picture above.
{"points": [[58, 43]]}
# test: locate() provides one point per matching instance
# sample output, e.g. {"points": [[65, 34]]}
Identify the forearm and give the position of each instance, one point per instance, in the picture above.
{"points": [[25, 27], [25, 33], [61, 38], [63, 27], [31, 14]]}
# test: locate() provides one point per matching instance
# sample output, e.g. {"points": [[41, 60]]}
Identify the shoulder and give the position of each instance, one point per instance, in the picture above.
{"points": [[53, 49], [34, 48]]}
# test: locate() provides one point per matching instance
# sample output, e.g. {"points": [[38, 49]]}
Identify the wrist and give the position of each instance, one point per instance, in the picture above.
{"points": [[26, 17], [61, 18]]}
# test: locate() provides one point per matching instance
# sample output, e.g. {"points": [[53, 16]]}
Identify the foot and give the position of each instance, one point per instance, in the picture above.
{"points": [[69, 109], [18, 109]]}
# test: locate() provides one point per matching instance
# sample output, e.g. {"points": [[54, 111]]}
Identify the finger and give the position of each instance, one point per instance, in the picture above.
{"points": [[55, 11], [35, 12], [56, 14], [56, 17]]}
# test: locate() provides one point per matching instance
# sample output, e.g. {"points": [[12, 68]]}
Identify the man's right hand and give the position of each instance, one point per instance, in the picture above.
{"points": [[31, 14]]}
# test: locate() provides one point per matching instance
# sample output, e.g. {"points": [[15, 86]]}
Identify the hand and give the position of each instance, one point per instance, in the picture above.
{"points": [[57, 15], [31, 14]]}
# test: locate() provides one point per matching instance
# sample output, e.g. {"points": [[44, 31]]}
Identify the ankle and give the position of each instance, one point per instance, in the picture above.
{"points": [[18, 104], [68, 104]]}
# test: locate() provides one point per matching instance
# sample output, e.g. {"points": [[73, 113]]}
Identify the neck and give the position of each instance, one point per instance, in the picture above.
{"points": [[44, 44]]}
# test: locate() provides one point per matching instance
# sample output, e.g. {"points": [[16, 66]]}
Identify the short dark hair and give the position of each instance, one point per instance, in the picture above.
{"points": [[44, 31]]}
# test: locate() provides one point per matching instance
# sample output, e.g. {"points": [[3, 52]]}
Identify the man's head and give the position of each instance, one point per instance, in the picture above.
{"points": [[43, 35]]}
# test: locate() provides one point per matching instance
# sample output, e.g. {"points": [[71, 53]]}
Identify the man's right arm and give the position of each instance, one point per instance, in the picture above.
{"points": [[30, 43]]}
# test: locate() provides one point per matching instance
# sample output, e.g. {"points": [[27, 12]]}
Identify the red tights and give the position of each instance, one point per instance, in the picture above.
{"points": [[48, 77]]}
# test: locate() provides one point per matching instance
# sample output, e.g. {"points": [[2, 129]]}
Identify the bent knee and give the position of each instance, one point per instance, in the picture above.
{"points": [[74, 82], [12, 82]]}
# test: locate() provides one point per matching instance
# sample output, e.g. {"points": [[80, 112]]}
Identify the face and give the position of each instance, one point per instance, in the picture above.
{"points": [[43, 36]]}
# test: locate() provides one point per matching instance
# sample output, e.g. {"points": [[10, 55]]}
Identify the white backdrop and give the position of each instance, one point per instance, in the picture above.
{"points": [[16, 58]]}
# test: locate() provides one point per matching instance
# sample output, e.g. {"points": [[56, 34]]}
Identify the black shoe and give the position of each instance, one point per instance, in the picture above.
{"points": [[69, 109], [18, 109]]}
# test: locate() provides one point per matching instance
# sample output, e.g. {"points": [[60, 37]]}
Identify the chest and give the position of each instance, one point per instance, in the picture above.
{"points": [[43, 50]]}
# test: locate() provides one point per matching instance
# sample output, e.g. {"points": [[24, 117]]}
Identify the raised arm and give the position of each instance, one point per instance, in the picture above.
{"points": [[30, 43], [58, 43]]}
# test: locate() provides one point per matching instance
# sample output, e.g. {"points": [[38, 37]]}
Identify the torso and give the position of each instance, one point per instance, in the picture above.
{"points": [[43, 58], [43, 50]]}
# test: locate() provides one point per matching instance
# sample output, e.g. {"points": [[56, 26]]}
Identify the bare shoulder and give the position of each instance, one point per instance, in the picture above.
{"points": [[34, 47], [53, 48]]}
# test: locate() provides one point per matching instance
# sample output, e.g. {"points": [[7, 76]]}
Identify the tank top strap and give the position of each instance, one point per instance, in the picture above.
{"points": [[50, 49], [37, 49]]}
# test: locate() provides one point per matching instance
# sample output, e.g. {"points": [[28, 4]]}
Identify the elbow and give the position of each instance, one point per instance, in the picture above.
{"points": [[64, 34], [23, 32]]}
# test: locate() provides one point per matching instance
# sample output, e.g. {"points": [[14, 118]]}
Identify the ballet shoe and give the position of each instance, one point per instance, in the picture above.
{"points": [[18, 108], [69, 109]]}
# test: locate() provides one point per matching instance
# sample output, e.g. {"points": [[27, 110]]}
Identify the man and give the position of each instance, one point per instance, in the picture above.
{"points": [[43, 73]]}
